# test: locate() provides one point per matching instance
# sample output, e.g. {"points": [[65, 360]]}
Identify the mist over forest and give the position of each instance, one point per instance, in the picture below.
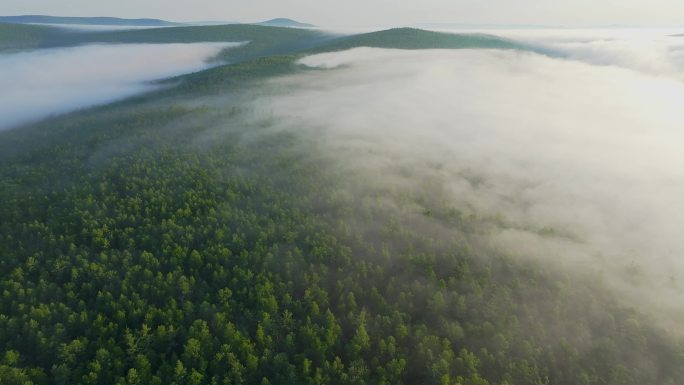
{"points": [[250, 204], [531, 144], [39, 83]]}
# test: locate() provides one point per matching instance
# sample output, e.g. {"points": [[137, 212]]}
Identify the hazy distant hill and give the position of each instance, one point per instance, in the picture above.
{"points": [[42, 19], [451, 26], [263, 40], [412, 38], [212, 22], [282, 22], [19, 36]]}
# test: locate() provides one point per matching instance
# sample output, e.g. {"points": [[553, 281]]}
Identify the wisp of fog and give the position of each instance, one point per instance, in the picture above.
{"points": [[580, 164], [39, 83]]}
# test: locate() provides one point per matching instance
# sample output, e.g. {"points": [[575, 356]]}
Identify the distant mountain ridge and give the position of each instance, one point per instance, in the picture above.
{"points": [[43, 19], [144, 22], [283, 22], [413, 38], [262, 39]]}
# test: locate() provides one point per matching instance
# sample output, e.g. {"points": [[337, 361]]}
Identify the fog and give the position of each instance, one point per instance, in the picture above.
{"points": [[576, 165], [652, 50], [40, 83]]}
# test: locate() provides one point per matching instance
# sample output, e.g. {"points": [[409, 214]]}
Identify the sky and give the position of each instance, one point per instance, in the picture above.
{"points": [[373, 12]]}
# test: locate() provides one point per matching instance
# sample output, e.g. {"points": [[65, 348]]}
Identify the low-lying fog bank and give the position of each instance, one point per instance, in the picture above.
{"points": [[654, 51], [40, 83], [577, 165]]}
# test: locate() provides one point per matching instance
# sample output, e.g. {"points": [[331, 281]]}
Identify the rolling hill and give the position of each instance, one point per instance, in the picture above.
{"points": [[412, 38], [261, 40], [14, 37], [283, 22]]}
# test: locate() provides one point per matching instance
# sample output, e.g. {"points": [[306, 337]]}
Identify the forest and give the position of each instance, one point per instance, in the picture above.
{"points": [[174, 238]]}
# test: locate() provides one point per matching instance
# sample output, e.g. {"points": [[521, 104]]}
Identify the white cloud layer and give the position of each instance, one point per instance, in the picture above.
{"points": [[655, 51], [593, 152], [39, 83]]}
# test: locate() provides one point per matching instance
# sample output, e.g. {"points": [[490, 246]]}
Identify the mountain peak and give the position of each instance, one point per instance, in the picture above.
{"points": [[284, 22]]}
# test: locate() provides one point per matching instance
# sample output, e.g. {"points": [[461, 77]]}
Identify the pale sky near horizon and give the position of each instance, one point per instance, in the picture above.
{"points": [[373, 12]]}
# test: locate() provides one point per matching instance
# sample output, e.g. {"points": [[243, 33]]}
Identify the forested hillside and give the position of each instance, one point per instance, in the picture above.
{"points": [[19, 36], [412, 38], [262, 40], [176, 238]]}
